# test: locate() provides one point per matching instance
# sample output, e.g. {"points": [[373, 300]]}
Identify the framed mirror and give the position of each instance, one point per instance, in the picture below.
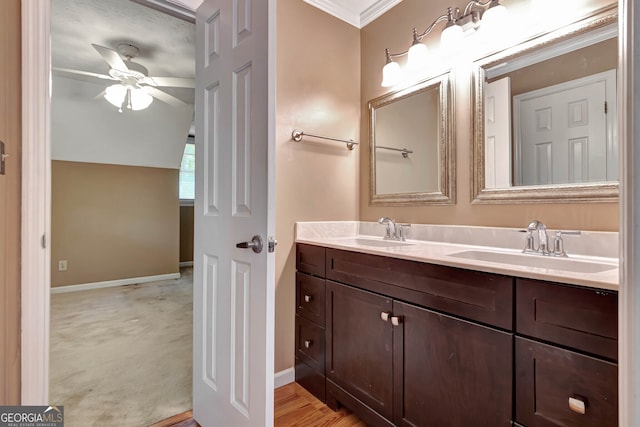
{"points": [[412, 145], [545, 117]]}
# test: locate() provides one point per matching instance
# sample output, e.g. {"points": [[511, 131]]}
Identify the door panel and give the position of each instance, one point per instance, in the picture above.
{"points": [[359, 345], [497, 104], [233, 286], [563, 134], [450, 372]]}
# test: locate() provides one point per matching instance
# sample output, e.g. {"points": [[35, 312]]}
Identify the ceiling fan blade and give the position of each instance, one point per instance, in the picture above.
{"points": [[170, 82], [81, 73], [112, 57], [165, 97], [100, 95]]}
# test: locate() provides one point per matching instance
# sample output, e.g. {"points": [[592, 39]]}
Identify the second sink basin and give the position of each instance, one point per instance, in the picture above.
{"points": [[379, 243], [528, 260]]}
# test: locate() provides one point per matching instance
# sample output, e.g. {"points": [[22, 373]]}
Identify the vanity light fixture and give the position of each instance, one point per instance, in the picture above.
{"points": [[490, 12], [127, 96]]}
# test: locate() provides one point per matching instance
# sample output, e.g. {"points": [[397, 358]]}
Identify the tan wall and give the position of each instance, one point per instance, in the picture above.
{"points": [[318, 77], [10, 133], [393, 30], [113, 222], [186, 233]]}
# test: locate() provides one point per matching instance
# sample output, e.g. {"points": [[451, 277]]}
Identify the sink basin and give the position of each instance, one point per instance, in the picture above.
{"points": [[379, 243], [528, 260]]}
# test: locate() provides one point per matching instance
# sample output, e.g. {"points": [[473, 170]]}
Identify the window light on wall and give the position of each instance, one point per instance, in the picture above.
{"points": [[491, 15], [187, 185]]}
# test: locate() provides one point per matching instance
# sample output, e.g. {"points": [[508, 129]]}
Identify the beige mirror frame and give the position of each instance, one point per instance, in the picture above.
{"points": [[445, 194], [557, 193]]}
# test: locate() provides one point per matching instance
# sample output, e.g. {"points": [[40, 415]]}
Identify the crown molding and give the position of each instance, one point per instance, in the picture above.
{"points": [[356, 18]]}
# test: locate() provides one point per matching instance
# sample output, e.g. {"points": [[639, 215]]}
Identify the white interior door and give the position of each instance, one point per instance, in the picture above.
{"points": [[563, 132], [234, 287], [497, 143]]}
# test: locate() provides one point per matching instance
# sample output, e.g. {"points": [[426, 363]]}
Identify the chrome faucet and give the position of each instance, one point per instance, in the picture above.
{"points": [[391, 228], [543, 240], [394, 231]]}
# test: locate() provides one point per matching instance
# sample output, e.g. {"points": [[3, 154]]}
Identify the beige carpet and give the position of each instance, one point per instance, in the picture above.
{"points": [[122, 356]]}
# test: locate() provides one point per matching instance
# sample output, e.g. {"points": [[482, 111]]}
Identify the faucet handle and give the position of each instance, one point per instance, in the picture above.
{"points": [[401, 231], [529, 245], [558, 243]]}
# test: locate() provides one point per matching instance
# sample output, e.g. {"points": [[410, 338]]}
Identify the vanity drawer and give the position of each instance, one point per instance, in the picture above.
{"points": [[310, 298], [547, 377], [310, 259], [310, 343], [581, 318], [483, 297]]}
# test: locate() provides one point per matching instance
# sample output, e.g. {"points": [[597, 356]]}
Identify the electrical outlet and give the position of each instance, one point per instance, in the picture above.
{"points": [[62, 265]]}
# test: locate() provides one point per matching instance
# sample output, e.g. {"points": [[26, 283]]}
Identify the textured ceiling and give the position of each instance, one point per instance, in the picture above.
{"points": [[166, 43]]}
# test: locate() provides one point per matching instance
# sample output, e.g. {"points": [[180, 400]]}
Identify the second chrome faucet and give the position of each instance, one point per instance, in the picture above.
{"points": [[537, 227]]}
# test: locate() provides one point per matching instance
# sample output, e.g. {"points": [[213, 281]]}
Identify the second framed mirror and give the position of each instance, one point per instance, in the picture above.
{"points": [[545, 117]]}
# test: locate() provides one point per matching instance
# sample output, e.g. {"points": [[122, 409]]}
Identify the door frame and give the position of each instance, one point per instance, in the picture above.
{"points": [[36, 194], [36, 191]]}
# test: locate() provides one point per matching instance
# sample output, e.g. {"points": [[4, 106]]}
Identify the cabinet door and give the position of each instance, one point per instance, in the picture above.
{"points": [[558, 387], [359, 346], [450, 372]]}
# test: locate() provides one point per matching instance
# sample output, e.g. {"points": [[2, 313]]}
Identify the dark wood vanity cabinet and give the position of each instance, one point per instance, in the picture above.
{"points": [[310, 319], [566, 350], [414, 344]]}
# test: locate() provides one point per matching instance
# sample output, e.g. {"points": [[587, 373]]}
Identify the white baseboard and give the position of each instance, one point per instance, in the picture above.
{"points": [[112, 283], [284, 377], [186, 263]]}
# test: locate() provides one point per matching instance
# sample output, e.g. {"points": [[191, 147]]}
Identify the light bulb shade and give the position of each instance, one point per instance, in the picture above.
{"points": [[451, 38], [494, 18], [391, 74], [140, 99], [115, 94], [418, 56]]}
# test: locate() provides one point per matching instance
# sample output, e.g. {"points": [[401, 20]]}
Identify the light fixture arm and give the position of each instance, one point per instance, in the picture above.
{"points": [[484, 5], [430, 28]]}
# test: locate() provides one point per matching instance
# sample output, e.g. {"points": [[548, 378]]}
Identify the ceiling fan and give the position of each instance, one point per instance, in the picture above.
{"points": [[136, 89]]}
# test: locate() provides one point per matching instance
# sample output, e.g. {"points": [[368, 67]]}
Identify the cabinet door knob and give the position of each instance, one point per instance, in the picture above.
{"points": [[578, 405], [307, 298], [308, 343], [396, 320], [385, 315]]}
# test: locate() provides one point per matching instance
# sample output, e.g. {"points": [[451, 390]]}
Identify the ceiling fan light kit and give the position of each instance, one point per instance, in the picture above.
{"points": [[135, 90], [129, 97]]}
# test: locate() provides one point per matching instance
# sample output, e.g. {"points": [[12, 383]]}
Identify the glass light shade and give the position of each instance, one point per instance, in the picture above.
{"points": [[451, 38], [115, 94], [494, 18], [391, 74], [140, 99], [418, 56]]}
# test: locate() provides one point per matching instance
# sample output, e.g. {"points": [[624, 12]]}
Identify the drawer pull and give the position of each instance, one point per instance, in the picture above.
{"points": [[307, 343], [577, 405], [396, 320], [385, 315], [307, 298]]}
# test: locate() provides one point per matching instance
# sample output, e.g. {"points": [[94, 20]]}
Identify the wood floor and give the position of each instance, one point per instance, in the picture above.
{"points": [[294, 406]]}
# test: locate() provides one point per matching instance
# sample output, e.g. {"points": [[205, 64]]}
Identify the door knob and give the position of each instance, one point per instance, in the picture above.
{"points": [[255, 244]]}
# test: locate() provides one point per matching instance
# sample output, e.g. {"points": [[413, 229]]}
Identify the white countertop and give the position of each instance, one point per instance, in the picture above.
{"points": [[359, 237]]}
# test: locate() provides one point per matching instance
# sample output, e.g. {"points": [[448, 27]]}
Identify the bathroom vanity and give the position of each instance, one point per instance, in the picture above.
{"points": [[403, 339]]}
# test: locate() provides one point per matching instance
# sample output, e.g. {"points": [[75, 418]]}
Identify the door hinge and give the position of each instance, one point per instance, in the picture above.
{"points": [[606, 107], [43, 241], [272, 244]]}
